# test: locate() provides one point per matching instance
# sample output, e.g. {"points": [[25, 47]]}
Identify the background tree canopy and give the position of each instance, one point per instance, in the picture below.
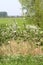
{"points": [[34, 9]]}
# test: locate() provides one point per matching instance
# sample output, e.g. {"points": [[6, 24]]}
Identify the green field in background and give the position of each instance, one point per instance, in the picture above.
{"points": [[19, 21]]}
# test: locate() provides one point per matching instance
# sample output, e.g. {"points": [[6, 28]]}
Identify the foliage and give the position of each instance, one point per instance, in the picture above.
{"points": [[34, 9], [25, 33]]}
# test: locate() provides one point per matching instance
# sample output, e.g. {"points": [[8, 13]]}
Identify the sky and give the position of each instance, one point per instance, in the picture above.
{"points": [[12, 7]]}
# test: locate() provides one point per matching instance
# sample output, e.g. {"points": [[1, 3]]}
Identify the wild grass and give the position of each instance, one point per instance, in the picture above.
{"points": [[21, 60]]}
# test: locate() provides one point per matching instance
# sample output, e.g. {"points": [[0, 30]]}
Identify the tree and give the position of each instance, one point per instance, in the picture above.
{"points": [[34, 9], [27, 5], [38, 7]]}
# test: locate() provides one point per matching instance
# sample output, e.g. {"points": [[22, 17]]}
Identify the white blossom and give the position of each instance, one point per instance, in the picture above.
{"points": [[8, 41]]}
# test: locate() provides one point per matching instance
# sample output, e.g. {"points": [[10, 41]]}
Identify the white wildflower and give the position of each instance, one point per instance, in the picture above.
{"points": [[9, 42], [32, 27]]}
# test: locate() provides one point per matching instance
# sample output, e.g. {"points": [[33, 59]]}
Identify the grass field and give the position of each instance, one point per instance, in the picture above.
{"points": [[19, 21], [10, 20]]}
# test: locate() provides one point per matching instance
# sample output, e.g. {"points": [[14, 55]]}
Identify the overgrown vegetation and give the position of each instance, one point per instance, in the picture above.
{"points": [[25, 32], [28, 28]]}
